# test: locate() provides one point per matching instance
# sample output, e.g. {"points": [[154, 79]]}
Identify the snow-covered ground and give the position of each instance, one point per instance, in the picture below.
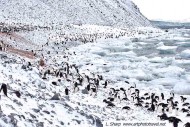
{"points": [[157, 62], [120, 13]]}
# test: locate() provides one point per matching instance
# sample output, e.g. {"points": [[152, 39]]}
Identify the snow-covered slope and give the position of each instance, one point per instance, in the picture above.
{"points": [[120, 13], [136, 59]]}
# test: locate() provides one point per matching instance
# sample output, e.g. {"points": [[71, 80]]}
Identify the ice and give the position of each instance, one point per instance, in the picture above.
{"points": [[167, 49], [185, 54], [182, 88], [118, 60]]}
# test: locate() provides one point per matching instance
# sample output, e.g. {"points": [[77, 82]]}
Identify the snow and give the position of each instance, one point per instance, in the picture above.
{"points": [[123, 14], [146, 57]]}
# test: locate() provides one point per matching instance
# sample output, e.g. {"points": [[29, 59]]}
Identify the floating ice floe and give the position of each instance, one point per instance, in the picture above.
{"points": [[185, 54], [183, 44], [182, 88], [167, 49]]}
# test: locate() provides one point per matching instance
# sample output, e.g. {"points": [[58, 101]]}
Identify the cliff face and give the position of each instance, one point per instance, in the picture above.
{"points": [[119, 13]]}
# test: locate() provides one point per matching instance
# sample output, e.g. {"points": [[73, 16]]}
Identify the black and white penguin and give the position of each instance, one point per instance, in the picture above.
{"points": [[152, 108], [17, 93], [172, 94], [88, 87], [163, 116], [105, 84], [183, 98], [76, 88], [174, 120], [66, 91], [176, 111], [93, 92], [4, 88], [126, 108], [162, 96], [187, 124]]}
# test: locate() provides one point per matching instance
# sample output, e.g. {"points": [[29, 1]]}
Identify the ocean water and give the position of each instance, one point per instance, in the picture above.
{"points": [[161, 61]]}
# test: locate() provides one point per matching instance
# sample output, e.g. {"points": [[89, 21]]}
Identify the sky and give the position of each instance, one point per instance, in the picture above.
{"points": [[168, 10]]}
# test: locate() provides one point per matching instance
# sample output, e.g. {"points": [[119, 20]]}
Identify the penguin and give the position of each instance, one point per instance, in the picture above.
{"points": [[147, 98], [76, 88], [187, 124], [54, 83], [61, 75], [142, 98], [80, 81], [132, 98], [105, 84], [127, 82], [174, 120], [184, 110], [66, 91], [152, 96], [126, 108], [172, 94], [156, 107], [111, 105], [105, 101], [137, 92], [162, 96], [93, 92], [159, 109], [122, 89], [17, 93], [176, 111], [125, 98], [163, 105], [129, 91], [163, 116], [170, 109], [186, 104], [97, 83], [88, 87], [125, 94], [112, 90], [152, 108], [100, 77], [138, 104], [111, 99], [118, 99], [4, 88], [88, 79], [157, 98], [146, 106], [183, 98]]}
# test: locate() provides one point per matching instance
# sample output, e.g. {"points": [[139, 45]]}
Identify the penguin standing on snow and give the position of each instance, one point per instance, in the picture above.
{"points": [[66, 91], [88, 87], [162, 96], [105, 84], [93, 92], [183, 98], [176, 111], [76, 88], [4, 88]]}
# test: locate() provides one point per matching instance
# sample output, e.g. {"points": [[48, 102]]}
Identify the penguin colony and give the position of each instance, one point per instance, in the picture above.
{"points": [[151, 102], [93, 83]]}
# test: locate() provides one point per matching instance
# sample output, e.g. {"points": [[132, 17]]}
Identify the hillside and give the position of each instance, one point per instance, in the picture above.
{"points": [[119, 13]]}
